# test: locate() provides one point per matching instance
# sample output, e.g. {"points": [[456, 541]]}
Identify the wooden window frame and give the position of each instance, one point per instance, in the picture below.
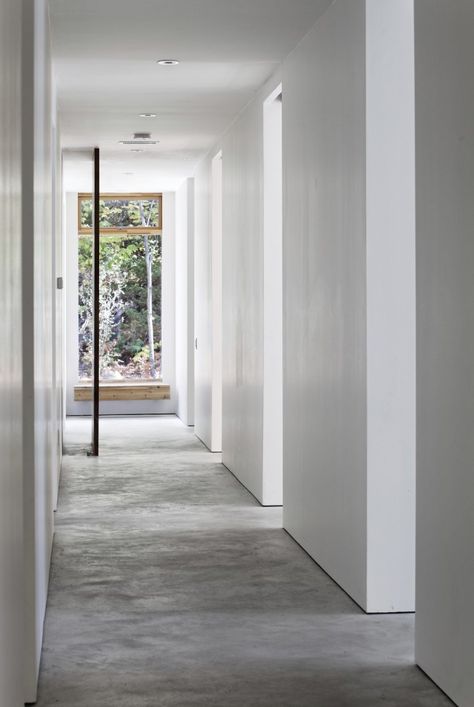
{"points": [[128, 231]]}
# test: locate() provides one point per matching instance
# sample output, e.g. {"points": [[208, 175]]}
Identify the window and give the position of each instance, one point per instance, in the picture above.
{"points": [[130, 286]]}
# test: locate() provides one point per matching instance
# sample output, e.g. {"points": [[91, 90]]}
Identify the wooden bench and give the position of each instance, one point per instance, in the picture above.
{"points": [[124, 390]]}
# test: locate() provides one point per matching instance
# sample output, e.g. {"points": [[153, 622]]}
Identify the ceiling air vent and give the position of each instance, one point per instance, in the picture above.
{"points": [[139, 142], [140, 139]]}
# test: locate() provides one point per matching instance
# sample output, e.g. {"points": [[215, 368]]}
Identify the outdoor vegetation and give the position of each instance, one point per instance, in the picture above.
{"points": [[130, 289]]}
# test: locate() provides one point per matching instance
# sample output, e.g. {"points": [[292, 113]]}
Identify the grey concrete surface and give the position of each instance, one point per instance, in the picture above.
{"points": [[172, 587]]}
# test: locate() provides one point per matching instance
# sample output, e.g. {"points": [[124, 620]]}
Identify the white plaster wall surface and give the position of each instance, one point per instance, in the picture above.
{"points": [[242, 293], [136, 407], [391, 306], [40, 425], [190, 313], [11, 487], [181, 203], [203, 370], [444, 52], [216, 285], [349, 390], [242, 156], [349, 299], [324, 295], [272, 487], [185, 302], [59, 301]]}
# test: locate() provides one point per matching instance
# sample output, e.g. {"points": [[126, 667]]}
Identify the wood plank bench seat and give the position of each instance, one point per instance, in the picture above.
{"points": [[124, 390]]}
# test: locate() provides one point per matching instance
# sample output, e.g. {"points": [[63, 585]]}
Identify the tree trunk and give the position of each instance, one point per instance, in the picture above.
{"points": [[149, 293], [149, 306]]}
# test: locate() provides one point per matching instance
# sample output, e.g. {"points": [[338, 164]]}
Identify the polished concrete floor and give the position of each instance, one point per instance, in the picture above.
{"points": [[172, 587]]}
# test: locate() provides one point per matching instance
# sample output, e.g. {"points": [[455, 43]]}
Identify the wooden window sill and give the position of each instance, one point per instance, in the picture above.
{"points": [[124, 390]]}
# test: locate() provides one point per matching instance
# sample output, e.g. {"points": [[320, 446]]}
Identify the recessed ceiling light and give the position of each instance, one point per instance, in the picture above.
{"points": [[147, 115], [135, 149], [129, 174], [167, 62]]}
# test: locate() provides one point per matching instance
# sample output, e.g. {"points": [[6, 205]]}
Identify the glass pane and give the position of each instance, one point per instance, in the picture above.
{"points": [[122, 212], [130, 307]]}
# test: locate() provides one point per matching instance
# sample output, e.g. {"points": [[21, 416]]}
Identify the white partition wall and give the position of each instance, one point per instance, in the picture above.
{"points": [[41, 423], [216, 299], [243, 300], [391, 308], [202, 304], [11, 441], [207, 379], [184, 202], [349, 306], [244, 304], [444, 42], [272, 486], [349, 299], [324, 270], [242, 290]]}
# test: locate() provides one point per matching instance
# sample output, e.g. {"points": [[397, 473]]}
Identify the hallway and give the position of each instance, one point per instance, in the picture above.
{"points": [[172, 586]]}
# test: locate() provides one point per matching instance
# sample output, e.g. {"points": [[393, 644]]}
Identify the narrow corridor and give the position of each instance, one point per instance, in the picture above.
{"points": [[171, 586]]}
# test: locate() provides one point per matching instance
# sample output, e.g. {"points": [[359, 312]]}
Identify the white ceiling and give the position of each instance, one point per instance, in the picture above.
{"points": [[105, 54]]}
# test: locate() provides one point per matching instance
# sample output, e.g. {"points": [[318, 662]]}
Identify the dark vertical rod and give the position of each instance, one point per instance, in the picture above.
{"points": [[96, 307]]}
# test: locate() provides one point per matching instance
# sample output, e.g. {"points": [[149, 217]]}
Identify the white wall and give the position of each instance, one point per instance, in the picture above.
{"points": [[272, 484], [391, 305], [168, 299], [40, 424], [324, 291], [204, 376], [11, 486], [185, 302], [216, 297], [444, 33], [242, 297], [59, 298], [349, 299], [242, 446]]}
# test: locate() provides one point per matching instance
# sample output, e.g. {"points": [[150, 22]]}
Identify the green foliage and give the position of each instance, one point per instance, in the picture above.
{"points": [[122, 213], [123, 333]]}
